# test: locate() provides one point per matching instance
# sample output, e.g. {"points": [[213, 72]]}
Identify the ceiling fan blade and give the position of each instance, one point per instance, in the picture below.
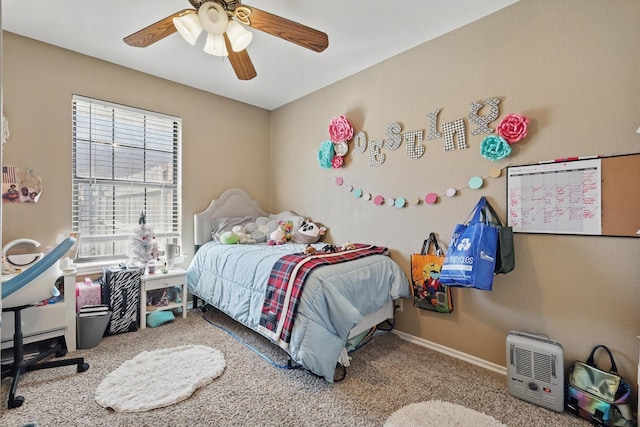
{"points": [[240, 61], [281, 27], [154, 32]]}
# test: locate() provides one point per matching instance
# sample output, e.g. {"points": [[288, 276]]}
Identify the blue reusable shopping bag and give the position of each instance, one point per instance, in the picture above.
{"points": [[471, 258]]}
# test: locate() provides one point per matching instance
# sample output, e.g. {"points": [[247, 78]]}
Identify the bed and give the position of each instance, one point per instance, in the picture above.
{"points": [[346, 293]]}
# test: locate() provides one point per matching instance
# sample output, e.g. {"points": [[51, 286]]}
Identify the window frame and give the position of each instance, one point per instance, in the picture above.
{"points": [[116, 242]]}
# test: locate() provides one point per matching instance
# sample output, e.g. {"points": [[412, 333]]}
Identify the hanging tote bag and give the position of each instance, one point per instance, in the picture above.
{"points": [[428, 292], [600, 397], [505, 253], [471, 259]]}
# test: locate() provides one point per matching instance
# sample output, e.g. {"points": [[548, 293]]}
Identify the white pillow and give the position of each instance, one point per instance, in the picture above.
{"points": [[259, 236], [251, 227], [287, 216]]}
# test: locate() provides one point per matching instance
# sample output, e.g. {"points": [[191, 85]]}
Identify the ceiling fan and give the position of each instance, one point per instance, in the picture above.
{"points": [[221, 20]]}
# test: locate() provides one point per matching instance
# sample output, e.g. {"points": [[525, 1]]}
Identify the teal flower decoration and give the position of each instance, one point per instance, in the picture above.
{"points": [[494, 148], [325, 155]]}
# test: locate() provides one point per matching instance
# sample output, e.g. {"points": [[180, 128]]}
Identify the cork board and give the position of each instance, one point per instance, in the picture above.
{"points": [[621, 195]]}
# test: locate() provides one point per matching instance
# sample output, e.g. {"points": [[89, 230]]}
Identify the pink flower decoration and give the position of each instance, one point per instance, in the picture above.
{"points": [[337, 162], [513, 127], [340, 129]]}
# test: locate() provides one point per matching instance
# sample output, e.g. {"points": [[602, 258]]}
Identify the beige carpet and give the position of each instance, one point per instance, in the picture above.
{"points": [[385, 375]]}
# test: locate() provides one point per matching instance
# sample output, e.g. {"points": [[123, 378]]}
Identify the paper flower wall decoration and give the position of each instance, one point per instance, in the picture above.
{"points": [[325, 155], [337, 162], [332, 152], [513, 128], [340, 130], [494, 148]]}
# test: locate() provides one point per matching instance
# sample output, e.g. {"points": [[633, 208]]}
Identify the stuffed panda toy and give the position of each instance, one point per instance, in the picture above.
{"points": [[309, 232]]}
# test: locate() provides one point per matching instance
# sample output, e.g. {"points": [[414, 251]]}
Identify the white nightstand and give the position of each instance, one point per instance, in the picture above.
{"points": [[173, 278]]}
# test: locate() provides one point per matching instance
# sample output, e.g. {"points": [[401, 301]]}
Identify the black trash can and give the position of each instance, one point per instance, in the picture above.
{"points": [[90, 329]]}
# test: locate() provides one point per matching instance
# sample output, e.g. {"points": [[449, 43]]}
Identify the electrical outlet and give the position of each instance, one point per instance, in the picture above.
{"points": [[399, 304]]}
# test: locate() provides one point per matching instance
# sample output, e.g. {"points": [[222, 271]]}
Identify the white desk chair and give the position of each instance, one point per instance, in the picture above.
{"points": [[23, 291]]}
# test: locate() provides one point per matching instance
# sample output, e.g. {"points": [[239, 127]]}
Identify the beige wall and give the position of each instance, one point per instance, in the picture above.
{"points": [[225, 143], [572, 67]]}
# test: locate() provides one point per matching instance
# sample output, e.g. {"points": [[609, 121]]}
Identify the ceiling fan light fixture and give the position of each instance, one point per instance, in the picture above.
{"points": [[215, 45], [188, 25], [213, 18], [238, 36]]}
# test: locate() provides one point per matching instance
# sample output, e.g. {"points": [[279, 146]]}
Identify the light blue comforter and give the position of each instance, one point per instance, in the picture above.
{"points": [[335, 298]]}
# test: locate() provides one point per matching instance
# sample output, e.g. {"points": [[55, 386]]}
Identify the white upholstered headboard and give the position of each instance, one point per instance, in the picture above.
{"points": [[234, 202]]}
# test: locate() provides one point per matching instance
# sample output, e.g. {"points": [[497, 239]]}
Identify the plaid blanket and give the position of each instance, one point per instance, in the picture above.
{"points": [[285, 285]]}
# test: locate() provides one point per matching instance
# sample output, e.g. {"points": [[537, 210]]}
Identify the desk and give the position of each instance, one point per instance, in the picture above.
{"points": [[47, 321]]}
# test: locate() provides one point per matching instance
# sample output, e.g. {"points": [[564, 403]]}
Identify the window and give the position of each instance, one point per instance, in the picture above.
{"points": [[125, 161]]}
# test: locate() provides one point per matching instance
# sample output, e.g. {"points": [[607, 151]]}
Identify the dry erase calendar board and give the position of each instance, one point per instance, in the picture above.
{"points": [[595, 196]]}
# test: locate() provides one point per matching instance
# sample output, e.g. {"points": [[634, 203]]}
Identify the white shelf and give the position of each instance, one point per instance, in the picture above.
{"points": [[173, 278]]}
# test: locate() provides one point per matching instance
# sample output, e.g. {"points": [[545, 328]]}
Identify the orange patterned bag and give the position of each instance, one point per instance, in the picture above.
{"points": [[428, 292]]}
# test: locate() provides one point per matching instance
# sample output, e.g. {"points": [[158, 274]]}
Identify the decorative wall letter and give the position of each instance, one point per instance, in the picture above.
{"points": [[360, 142], [394, 139], [433, 125], [376, 158], [483, 121], [414, 151], [452, 128]]}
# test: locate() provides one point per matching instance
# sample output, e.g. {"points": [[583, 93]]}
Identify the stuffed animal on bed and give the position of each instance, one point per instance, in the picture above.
{"points": [[229, 238], [243, 236], [237, 235], [348, 246], [309, 232], [282, 234]]}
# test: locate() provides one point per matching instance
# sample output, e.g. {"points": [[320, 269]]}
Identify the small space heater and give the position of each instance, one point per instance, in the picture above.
{"points": [[535, 369]]}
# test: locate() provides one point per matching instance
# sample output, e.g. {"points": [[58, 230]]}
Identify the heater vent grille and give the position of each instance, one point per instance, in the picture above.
{"points": [[523, 362], [542, 367], [532, 364]]}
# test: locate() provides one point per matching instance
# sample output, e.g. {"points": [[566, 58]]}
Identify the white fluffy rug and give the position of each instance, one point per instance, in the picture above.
{"points": [[154, 379], [437, 413]]}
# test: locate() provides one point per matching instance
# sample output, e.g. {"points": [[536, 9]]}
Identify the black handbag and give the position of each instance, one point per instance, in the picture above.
{"points": [[505, 254], [600, 397]]}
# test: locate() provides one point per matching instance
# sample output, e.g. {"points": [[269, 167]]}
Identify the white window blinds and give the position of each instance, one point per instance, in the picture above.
{"points": [[125, 161]]}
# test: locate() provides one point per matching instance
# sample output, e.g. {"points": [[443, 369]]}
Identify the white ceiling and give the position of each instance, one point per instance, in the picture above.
{"points": [[361, 33]]}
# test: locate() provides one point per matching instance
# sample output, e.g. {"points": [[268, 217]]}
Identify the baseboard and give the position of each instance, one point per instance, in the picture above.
{"points": [[451, 352]]}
